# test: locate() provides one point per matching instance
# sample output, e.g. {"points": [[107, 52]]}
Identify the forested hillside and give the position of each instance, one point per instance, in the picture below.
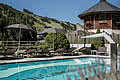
{"points": [[9, 15]]}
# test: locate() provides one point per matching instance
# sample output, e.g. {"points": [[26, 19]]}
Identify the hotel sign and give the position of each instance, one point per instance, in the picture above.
{"points": [[103, 21]]}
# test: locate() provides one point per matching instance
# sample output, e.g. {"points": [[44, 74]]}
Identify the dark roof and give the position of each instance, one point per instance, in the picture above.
{"points": [[53, 30], [102, 6]]}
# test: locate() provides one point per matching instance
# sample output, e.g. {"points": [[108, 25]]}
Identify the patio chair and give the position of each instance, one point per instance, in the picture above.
{"points": [[85, 50], [9, 52], [60, 51], [102, 51], [20, 53], [30, 52], [1, 52], [93, 50]]}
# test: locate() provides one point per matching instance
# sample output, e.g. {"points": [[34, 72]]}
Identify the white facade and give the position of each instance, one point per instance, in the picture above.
{"points": [[79, 27], [79, 45]]}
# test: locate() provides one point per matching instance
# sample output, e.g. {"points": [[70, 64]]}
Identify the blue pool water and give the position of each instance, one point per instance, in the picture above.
{"points": [[50, 70]]}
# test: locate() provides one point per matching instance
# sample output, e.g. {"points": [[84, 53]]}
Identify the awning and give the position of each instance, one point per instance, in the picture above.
{"points": [[106, 36]]}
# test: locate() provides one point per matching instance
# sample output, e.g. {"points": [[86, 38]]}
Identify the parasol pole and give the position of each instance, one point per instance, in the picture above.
{"points": [[53, 40], [94, 23], [19, 40], [84, 35]]}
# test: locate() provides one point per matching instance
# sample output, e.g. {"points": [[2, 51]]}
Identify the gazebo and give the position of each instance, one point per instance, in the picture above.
{"points": [[104, 16]]}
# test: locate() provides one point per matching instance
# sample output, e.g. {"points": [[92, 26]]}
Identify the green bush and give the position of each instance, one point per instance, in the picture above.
{"points": [[58, 40], [43, 46], [119, 45], [2, 45], [98, 42]]}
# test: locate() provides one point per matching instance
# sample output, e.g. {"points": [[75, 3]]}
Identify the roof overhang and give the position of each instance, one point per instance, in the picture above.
{"points": [[81, 16]]}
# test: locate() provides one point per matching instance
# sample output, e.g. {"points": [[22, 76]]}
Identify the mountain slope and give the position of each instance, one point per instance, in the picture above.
{"points": [[9, 15]]}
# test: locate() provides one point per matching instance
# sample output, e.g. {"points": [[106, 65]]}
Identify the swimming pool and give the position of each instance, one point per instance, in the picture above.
{"points": [[50, 70]]}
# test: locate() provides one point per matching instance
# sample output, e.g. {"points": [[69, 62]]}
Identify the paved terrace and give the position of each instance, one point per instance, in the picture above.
{"points": [[50, 58]]}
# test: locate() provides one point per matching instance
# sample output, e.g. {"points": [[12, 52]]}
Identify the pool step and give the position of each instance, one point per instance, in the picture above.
{"points": [[80, 62]]}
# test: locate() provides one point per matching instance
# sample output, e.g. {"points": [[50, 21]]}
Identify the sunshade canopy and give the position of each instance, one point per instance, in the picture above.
{"points": [[106, 36], [22, 26]]}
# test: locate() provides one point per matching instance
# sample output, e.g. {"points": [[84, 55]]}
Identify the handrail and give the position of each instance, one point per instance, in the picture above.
{"points": [[18, 41], [14, 44]]}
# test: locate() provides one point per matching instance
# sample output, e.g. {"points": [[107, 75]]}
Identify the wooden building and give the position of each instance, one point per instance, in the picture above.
{"points": [[103, 16]]}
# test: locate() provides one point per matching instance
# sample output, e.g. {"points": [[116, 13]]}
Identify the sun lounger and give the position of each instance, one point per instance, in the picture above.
{"points": [[9, 52], [20, 53]]}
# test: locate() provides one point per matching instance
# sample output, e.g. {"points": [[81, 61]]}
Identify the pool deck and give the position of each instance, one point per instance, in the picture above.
{"points": [[50, 58]]}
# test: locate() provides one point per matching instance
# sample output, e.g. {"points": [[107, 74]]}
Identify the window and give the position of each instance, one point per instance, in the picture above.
{"points": [[108, 16], [97, 17], [102, 16]]}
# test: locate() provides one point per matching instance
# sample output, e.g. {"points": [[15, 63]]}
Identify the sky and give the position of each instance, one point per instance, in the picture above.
{"points": [[64, 10]]}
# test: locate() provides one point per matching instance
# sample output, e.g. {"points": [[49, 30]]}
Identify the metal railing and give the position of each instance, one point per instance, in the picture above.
{"points": [[15, 44]]}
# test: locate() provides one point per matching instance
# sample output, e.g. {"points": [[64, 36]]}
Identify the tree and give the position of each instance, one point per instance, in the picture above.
{"points": [[119, 45], [27, 11], [98, 42], [57, 40], [102, 42], [98, 31], [2, 46]]}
